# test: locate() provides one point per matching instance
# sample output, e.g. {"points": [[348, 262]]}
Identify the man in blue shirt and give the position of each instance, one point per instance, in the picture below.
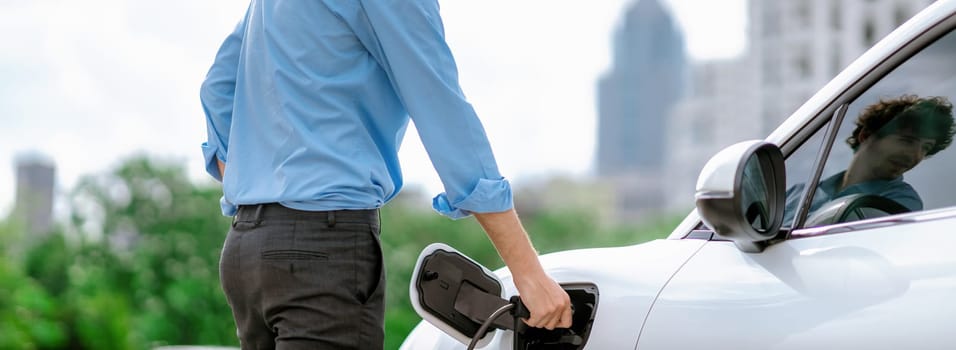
{"points": [[306, 105], [891, 137]]}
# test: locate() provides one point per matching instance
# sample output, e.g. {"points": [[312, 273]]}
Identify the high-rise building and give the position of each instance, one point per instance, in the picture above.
{"points": [[33, 206], [635, 98], [794, 48]]}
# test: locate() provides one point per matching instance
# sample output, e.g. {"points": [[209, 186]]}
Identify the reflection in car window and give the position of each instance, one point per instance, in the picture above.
{"points": [[893, 143], [886, 139]]}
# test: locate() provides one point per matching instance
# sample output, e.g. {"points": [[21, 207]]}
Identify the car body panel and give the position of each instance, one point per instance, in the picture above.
{"points": [[628, 279], [831, 290]]}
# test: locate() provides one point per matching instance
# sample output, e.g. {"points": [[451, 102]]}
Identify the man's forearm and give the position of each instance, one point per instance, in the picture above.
{"points": [[505, 231], [549, 304]]}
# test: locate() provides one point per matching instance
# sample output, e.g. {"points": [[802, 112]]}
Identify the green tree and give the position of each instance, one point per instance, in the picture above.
{"points": [[147, 273], [28, 313]]}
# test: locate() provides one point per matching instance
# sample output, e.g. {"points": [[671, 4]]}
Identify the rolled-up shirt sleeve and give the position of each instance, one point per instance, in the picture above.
{"points": [[217, 95], [489, 196], [412, 49]]}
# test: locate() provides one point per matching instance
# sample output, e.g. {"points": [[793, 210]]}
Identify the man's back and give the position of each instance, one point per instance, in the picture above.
{"points": [[323, 90]]}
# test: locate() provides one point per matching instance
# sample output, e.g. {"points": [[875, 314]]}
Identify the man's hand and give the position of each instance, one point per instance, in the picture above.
{"points": [[549, 305]]}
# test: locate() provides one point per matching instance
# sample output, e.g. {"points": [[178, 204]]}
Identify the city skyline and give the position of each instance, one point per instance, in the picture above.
{"points": [[90, 88]]}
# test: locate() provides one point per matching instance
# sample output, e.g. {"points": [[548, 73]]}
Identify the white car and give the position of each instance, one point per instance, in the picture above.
{"points": [[858, 272]]}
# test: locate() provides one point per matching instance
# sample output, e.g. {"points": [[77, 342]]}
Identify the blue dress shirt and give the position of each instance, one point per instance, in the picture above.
{"points": [[307, 102]]}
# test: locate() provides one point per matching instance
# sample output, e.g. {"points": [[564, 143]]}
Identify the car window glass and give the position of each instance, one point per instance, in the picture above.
{"points": [[799, 166], [892, 146]]}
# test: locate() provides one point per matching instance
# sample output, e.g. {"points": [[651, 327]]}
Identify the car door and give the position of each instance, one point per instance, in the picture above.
{"points": [[883, 282], [875, 287]]}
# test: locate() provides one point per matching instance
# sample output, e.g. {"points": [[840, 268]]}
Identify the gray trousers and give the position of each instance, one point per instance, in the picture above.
{"points": [[305, 280]]}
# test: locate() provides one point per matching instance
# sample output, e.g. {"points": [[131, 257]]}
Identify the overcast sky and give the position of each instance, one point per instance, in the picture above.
{"points": [[89, 83]]}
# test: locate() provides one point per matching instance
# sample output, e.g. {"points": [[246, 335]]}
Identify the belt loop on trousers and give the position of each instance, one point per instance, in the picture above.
{"points": [[331, 218], [258, 217]]}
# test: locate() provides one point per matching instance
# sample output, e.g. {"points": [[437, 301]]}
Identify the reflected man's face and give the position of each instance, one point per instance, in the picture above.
{"points": [[890, 156]]}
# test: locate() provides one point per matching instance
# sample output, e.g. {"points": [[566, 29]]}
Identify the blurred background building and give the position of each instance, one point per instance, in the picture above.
{"points": [[33, 204], [794, 48], [647, 78]]}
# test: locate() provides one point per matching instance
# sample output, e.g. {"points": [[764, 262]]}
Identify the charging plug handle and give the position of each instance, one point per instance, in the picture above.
{"points": [[478, 304]]}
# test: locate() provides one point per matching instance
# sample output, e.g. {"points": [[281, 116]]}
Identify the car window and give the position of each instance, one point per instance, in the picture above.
{"points": [[892, 150], [800, 165]]}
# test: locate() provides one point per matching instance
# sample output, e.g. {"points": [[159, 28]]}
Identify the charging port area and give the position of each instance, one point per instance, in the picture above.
{"points": [[449, 278], [584, 298], [458, 295]]}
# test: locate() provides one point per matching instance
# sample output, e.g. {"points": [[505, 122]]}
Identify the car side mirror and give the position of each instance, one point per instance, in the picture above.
{"points": [[740, 193]]}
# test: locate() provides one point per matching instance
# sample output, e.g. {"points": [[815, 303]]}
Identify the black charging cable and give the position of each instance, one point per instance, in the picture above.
{"points": [[484, 326], [518, 311]]}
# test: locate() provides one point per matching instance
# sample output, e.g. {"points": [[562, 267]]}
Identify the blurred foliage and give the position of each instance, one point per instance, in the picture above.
{"points": [[136, 265]]}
